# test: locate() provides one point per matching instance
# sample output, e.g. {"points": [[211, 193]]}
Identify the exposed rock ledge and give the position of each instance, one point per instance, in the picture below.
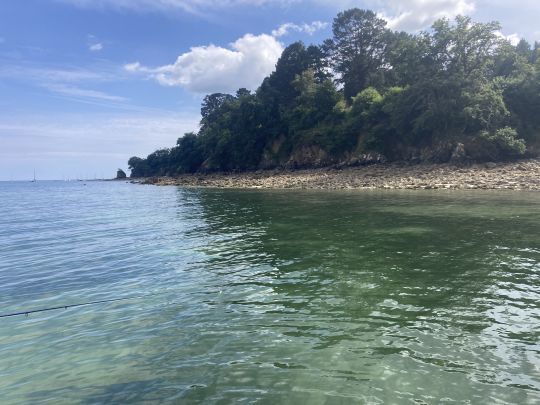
{"points": [[522, 175]]}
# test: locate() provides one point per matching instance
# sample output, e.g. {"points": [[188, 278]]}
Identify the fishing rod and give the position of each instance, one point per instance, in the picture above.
{"points": [[33, 311]]}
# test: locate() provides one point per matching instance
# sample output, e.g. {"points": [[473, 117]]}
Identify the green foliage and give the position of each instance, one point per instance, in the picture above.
{"points": [[484, 108], [357, 49], [314, 104], [138, 167], [503, 143], [187, 156], [364, 102], [522, 97], [368, 89]]}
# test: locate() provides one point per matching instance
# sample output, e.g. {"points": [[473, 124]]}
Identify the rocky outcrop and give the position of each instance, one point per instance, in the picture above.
{"points": [[308, 156], [271, 155], [120, 174], [459, 155]]}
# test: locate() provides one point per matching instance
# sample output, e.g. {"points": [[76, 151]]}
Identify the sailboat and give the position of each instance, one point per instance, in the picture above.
{"points": [[33, 181]]}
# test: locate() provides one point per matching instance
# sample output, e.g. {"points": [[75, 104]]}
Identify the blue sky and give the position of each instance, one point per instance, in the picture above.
{"points": [[85, 84]]}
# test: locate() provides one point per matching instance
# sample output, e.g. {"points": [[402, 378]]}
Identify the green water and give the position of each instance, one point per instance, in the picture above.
{"points": [[269, 296]]}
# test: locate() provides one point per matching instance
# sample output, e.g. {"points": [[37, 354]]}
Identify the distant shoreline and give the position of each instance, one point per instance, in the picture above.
{"points": [[520, 175]]}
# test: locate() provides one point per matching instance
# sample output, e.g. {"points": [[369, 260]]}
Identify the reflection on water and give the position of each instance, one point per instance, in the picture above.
{"points": [[269, 296]]}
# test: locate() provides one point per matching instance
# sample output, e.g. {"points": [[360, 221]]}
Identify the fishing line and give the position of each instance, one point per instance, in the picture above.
{"points": [[33, 311]]}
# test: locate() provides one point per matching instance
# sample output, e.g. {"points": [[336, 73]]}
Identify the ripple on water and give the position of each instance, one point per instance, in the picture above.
{"points": [[267, 296]]}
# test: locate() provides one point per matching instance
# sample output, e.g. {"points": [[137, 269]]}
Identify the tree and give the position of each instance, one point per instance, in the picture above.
{"points": [[317, 63], [315, 101], [277, 88], [212, 104], [187, 156], [158, 162], [406, 59], [535, 53], [370, 89], [523, 48], [463, 51], [138, 167], [357, 50]]}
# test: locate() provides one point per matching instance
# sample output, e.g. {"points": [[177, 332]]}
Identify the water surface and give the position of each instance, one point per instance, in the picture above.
{"points": [[268, 296]]}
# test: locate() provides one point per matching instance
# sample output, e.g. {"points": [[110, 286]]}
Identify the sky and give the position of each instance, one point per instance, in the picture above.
{"points": [[86, 84]]}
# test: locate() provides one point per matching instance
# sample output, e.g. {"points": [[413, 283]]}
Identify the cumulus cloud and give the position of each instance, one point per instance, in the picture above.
{"points": [[412, 15], [309, 29], [208, 69]]}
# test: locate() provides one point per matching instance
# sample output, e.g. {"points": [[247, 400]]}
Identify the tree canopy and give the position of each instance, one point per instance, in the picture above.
{"points": [[368, 90]]}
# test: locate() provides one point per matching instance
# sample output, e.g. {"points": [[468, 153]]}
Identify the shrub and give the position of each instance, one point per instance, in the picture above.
{"points": [[506, 140]]}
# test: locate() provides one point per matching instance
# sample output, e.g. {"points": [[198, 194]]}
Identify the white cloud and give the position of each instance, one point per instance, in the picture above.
{"points": [[208, 69], [95, 47], [512, 38], [309, 29], [409, 15], [412, 15]]}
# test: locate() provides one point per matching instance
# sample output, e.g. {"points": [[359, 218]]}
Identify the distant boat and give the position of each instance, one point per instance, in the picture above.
{"points": [[33, 181]]}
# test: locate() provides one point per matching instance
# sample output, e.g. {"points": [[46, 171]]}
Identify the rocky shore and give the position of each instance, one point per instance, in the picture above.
{"points": [[522, 175]]}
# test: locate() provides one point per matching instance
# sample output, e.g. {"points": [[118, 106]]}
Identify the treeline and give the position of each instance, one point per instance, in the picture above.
{"points": [[458, 92]]}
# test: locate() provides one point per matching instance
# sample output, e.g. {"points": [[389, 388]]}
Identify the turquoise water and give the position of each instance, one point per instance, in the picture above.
{"points": [[268, 296]]}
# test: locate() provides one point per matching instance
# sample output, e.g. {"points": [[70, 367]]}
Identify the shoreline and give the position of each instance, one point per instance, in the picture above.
{"points": [[520, 175]]}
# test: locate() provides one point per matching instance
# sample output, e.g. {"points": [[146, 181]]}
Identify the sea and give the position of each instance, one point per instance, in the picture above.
{"points": [[214, 296]]}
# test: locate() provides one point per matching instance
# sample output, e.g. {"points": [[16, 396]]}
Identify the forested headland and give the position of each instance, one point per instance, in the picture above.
{"points": [[459, 92]]}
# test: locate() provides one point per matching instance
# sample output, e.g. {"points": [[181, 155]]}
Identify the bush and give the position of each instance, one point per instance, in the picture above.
{"points": [[503, 143], [506, 141]]}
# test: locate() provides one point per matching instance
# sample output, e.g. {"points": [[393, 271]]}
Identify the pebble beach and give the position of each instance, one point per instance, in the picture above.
{"points": [[521, 175]]}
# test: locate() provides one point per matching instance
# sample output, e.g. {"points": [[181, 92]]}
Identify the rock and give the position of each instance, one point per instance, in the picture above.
{"points": [[509, 175], [363, 159], [307, 156], [120, 174], [150, 180], [459, 154]]}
